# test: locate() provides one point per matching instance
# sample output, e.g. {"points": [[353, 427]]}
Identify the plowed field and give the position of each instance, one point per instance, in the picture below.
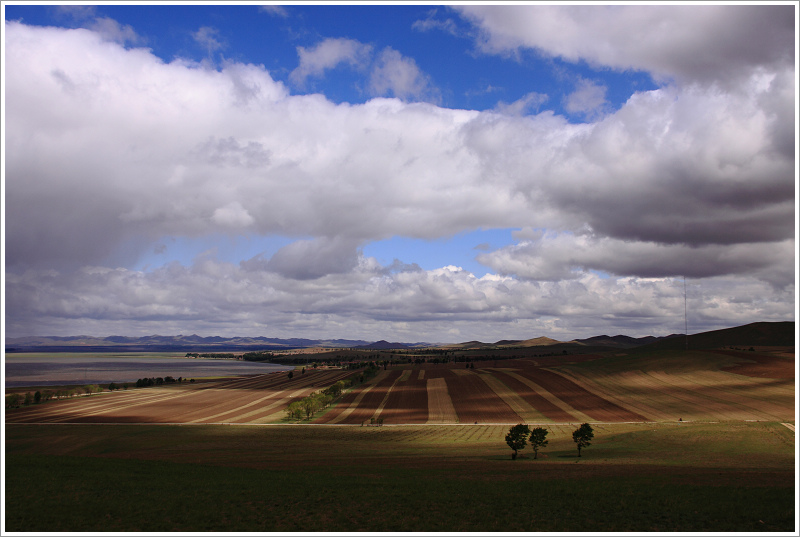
{"points": [[727, 386]]}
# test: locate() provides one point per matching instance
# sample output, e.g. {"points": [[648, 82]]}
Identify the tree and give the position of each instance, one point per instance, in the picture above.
{"points": [[13, 400], [37, 397], [291, 374], [295, 410], [582, 436], [517, 438], [538, 440]]}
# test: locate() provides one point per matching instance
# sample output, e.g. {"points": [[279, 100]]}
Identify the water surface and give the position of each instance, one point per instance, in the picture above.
{"points": [[53, 370]]}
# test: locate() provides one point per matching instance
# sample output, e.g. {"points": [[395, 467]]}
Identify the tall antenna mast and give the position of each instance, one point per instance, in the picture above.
{"points": [[685, 318]]}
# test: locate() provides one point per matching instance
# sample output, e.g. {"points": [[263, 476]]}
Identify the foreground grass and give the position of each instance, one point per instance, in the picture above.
{"points": [[692, 477]]}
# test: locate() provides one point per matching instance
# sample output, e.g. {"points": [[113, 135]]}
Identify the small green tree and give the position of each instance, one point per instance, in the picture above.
{"points": [[538, 440], [582, 436], [517, 438], [295, 410], [37, 397]]}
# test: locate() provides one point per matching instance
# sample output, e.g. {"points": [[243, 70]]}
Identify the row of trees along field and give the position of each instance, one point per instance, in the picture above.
{"points": [[306, 407], [16, 400], [158, 381], [215, 355], [519, 436], [310, 405]]}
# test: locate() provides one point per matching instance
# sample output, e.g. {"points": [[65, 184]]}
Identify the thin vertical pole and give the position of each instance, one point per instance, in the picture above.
{"points": [[685, 318]]}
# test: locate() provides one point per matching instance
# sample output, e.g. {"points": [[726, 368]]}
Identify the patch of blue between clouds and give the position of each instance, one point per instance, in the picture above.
{"points": [[459, 250], [600, 274], [221, 247]]}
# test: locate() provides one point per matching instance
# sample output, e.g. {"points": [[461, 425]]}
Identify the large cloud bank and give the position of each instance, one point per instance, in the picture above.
{"points": [[109, 149]]}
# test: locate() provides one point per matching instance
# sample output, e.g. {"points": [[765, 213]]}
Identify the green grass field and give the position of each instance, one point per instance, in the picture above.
{"points": [[735, 476]]}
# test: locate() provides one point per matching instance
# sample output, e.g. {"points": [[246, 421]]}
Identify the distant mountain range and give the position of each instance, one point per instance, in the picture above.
{"points": [[754, 334], [169, 343]]}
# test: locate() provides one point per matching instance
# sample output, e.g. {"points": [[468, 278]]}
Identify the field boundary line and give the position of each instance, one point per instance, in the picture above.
{"points": [[289, 424], [788, 426]]}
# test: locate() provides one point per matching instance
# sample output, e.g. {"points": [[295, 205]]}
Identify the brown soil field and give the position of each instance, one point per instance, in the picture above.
{"points": [[476, 402], [765, 366], [407, 401], [580, 399], [547, 407], [369, 402], [731, 385], [440, 405]]}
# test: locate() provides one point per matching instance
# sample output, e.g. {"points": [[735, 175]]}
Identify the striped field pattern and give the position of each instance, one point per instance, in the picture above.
{"points": [[710, 386]]}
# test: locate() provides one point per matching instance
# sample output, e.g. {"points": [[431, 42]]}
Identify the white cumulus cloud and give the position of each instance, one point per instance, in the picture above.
{"points": [[110, 149], [328, 54]]}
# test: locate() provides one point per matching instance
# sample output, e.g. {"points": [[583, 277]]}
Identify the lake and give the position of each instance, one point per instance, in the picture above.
{"points": [[53, 370]]}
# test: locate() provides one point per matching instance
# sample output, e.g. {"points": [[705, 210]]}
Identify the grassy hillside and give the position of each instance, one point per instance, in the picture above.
{"points": [[750, 335]]}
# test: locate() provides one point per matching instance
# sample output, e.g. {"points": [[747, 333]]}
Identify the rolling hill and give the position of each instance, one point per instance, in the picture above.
{"points": [[755, 334]]}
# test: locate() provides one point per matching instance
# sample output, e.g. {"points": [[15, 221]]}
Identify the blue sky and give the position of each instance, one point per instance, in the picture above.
{"points": [[463, 76], [325, 168]]}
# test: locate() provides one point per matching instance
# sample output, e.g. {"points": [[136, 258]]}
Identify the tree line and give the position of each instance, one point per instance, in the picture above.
{"points": [[16, 400], [218, 355], [158, 381], [311, 404], [519, 436]]}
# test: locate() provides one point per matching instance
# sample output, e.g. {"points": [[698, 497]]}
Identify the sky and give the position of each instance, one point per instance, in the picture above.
{"points": [[436, 173]]}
